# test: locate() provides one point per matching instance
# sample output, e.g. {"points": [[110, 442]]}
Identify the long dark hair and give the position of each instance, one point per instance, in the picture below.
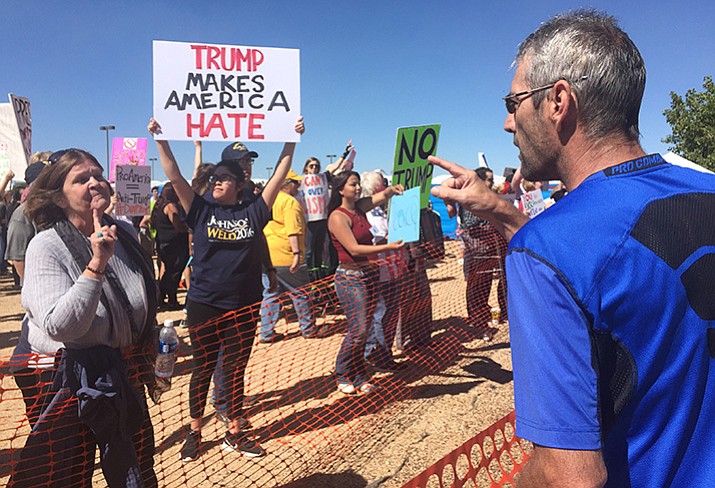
{"points": [[338, 183], [168, 195]]}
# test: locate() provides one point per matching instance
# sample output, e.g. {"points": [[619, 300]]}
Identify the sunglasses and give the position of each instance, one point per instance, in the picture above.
{"points": [[512, 101], [55, 156], [222, 178]]}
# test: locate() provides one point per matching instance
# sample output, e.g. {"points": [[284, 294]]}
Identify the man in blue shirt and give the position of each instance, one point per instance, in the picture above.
{"points": [[612, 312]]}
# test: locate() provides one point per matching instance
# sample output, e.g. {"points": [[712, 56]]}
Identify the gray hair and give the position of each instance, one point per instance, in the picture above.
{"points": [[370, 181], [604, 67]]}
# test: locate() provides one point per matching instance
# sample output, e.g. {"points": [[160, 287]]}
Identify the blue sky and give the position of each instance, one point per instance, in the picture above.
{"points": [[367, 67]]}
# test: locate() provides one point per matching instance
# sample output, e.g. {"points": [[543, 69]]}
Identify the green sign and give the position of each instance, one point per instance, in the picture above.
{"points": [[411, 168]]}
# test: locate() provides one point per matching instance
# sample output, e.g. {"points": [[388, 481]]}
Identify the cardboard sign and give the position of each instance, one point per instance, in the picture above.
{"points": [[127, 150], [12, 152], [404, 220], [21, 106], [411, 167], [314, 196], [533, 202], [133, 187], [219, 92]]}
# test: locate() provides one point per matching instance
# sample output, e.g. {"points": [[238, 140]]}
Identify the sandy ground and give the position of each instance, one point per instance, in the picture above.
{"points": [[314, 435]]}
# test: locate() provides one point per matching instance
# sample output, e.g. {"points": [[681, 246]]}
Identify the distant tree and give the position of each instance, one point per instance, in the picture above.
{"points": [[692, 121]]}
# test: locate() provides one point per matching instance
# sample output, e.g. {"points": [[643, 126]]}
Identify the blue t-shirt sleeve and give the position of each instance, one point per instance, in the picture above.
{"points": [[555, 385]]}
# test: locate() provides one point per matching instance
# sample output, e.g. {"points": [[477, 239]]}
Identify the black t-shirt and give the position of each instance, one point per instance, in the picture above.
{"points": [[227, 257]]}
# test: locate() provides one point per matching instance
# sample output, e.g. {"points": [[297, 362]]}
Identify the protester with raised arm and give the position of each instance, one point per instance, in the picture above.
{"points": [[226, 277], [610, 291], [357, 276]]}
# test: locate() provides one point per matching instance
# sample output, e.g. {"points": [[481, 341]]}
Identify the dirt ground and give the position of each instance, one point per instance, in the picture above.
{"points": [[315, 436]]}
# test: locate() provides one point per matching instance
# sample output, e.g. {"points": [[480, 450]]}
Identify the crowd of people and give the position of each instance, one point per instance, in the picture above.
{"points": [[597, 349]]}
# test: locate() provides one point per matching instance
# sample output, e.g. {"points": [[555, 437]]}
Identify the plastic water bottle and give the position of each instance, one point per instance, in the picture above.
{"points": [[168, 345]]}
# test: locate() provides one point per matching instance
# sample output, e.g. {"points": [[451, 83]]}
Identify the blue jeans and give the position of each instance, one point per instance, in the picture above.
{"points": [[355, 290], [381, 334], [293, 284]]}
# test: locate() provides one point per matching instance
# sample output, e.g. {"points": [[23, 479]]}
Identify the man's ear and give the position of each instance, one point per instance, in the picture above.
{"points": [[562, 106]]}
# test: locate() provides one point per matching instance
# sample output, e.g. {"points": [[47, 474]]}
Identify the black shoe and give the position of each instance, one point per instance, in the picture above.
{"points": [[190, 449], [242, 444], [274, 338]]}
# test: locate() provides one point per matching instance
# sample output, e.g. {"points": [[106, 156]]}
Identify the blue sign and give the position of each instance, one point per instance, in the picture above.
{"points": [[404, 221]]}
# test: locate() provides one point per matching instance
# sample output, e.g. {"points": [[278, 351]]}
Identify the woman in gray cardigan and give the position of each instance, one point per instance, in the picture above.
{"points": [[89, 290]]}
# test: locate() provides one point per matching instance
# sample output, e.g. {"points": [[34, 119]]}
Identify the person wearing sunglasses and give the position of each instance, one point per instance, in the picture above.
{"points": [[225, 294], [317, 183], [611, 290]]}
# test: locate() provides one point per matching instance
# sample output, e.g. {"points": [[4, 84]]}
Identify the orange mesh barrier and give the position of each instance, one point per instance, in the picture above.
{"points": [[291, 402], [492, 458]]}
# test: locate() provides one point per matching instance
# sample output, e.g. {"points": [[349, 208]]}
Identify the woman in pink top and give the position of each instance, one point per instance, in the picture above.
{"points": [[356, 276]]}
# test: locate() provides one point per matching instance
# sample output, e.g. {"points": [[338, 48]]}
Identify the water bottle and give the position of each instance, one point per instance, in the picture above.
{"points": [[168, 345]]}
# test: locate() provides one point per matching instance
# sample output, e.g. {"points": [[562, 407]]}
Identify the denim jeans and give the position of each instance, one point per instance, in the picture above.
{"points": [[381, 334], [294, 285], [355, 290]]}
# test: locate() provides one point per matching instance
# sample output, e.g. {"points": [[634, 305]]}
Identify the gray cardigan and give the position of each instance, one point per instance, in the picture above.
{"points": [[63, 307]]}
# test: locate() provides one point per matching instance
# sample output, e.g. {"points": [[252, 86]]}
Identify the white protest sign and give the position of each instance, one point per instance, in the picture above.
{"points": [[314, 196], [21, 107], [133, 187], [219, 92], [12, 153], [533, 202]]}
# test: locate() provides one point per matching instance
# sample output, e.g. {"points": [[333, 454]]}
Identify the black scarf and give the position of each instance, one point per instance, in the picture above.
{"points": [[81, 251]]}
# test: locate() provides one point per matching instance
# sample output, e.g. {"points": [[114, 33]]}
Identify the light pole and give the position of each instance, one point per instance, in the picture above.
{"points": [[270, 171], [106, 129], [331, 156], [151, 162]]}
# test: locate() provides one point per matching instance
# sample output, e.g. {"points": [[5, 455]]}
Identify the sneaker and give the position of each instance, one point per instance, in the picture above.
{"points": [[190, 449], [274, 338], [367, 388], [241, 443], [346, 388]]}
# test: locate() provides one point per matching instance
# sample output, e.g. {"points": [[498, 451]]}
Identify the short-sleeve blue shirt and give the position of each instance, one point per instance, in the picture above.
{"points": [[611, 307]]}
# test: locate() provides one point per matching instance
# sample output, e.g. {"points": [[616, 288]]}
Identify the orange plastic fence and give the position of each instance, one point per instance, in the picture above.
{"points": [[492, 458], [291, 401]]}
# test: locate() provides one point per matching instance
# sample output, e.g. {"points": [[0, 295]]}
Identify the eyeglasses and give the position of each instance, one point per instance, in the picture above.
{"points": [[314, 166], [222, 178], [512, 101]]}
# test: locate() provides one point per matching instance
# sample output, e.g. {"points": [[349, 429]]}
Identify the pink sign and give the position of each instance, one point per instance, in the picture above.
{"points": [[127, 150]]}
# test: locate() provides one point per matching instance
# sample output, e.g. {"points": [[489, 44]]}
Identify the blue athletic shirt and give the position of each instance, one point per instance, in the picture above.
{"points": [[612, 316], [227, 254]]}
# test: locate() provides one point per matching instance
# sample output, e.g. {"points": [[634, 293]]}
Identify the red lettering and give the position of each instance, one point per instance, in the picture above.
{"points": [[236, 124], [257, 59], [214, 52], [227, 59], [254, 126], [216, 122], [198, 51], [191, 126]]}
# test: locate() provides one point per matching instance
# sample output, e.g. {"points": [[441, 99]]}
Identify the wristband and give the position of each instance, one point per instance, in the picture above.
{"points": [[296, 253], [95, 271], [345, 154]]}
